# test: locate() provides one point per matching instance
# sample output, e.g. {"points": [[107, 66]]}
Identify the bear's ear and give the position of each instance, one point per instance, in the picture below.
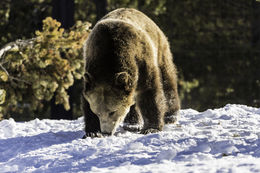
{"points": [[88, 81], [124, 81]]}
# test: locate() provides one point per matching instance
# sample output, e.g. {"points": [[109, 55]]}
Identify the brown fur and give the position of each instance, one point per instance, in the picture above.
{"points": [[128, 64]]}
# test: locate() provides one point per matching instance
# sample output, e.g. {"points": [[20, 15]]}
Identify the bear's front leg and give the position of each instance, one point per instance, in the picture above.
{"points": [[152, 106], [92, 124], [133, 120]]}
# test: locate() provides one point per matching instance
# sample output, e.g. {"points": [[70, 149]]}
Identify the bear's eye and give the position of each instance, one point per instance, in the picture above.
{"points": [[111, 113], [88, 80]]}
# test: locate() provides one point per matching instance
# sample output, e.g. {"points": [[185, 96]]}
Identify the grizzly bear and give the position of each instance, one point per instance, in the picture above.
{"points": [[128, 65]]}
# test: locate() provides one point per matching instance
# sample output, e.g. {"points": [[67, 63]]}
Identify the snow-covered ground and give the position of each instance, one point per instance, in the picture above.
{"points": [[219, 140]]}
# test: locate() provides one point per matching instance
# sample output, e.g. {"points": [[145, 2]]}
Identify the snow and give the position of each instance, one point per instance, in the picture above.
{"points": [[217, 140]]}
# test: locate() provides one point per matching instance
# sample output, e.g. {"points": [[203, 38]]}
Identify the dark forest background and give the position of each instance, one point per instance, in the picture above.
{"points": [[215, 43]]}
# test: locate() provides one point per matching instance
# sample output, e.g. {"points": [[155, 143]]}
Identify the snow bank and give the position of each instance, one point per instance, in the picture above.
{"points": [[219, 140]]}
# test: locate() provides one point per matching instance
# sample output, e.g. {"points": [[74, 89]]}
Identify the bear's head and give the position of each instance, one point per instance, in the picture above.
{"points": [[109, 100]]}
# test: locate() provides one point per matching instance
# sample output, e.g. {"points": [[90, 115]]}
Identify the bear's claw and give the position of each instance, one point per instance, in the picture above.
{"points": [[92, 135], [132, 128], [149, 130]]}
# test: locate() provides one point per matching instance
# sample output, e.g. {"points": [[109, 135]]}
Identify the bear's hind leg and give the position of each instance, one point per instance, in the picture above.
{"points": [[152, 105], [169, 78], [133, 120]]}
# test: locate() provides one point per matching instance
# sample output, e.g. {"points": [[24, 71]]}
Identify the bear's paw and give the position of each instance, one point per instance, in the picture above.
{"points": [[149, 130], [92, 135]]}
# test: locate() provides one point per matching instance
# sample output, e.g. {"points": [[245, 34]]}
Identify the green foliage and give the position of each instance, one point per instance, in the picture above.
{"points": [[33, 70], [19, 19], [85, 10]]}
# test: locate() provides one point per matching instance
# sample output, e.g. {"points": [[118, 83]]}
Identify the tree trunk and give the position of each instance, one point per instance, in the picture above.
{"points": [[256, 46], [101, 8], [63, 11], [256, 24]]}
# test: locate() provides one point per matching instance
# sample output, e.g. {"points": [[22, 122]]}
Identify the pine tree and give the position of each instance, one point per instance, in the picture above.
{"points": [[32, 70]]}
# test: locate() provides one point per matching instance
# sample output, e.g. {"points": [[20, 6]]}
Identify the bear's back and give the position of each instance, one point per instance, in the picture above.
{"points": [[138, 20]]}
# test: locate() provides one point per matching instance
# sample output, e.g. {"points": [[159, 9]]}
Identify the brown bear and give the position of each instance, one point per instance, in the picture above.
{"points": [[128, 65]]}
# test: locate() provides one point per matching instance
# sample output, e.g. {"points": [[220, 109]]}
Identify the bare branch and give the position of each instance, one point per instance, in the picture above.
{"points": [[7, 48], [2, 67], [16, 45]]}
